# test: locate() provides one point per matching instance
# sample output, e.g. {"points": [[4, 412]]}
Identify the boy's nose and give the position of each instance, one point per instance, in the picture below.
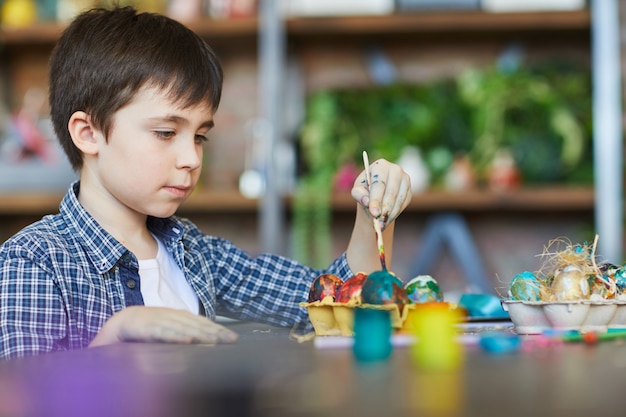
{"points": [[190, 155]]}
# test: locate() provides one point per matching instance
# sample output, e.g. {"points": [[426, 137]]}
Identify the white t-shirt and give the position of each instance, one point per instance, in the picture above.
{"points": [[164, 285]]}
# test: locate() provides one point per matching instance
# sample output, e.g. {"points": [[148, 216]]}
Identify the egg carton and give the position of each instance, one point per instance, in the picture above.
{"points": [[535, 317], [330, 318]]}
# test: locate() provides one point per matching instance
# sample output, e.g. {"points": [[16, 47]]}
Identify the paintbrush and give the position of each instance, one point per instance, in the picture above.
{"points": [[377, 228]]}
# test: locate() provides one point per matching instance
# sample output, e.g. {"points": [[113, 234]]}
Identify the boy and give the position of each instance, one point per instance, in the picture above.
{"points": [[132, 100]]}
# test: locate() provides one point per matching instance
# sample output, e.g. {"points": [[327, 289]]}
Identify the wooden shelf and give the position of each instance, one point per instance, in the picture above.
{"points": [[201, 201], [440, 22], [29, 204], [41, 33], [48, 33], [225, 28], [398, 23], [525, 199]]}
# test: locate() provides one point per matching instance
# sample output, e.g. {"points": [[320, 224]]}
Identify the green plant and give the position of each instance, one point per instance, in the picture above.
{"points": [[542, 114], [542, 117], [311, 200]]}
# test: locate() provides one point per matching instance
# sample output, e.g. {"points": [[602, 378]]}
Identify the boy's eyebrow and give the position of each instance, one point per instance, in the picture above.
{"points": [[181, 120]]}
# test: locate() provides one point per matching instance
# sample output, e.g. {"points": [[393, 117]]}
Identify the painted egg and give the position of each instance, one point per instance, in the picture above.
{"points": [[525, 287], [351, 289], [616, 274], [382, 287], [325, 285], [620, 279], [422, 289], [603, 287], [570, 284], [600, 288]]}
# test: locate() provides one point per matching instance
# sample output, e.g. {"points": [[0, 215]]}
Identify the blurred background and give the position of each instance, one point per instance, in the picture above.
{"points": [[486, 103]]}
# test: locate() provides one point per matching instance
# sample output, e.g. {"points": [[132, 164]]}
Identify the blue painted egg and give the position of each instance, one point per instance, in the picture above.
{"points": [[382, 287], [525, 287], [616, 273], [620, 279]]}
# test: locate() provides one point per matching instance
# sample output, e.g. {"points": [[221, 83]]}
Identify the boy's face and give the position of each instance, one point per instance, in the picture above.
{"points": [[153, 157]]}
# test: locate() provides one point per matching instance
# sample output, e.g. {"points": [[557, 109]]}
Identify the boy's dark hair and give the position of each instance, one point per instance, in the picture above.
{"points": [[105, 56]]}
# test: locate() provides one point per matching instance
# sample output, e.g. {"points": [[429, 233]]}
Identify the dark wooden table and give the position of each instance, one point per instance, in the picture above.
{"points": [[267, 373]]}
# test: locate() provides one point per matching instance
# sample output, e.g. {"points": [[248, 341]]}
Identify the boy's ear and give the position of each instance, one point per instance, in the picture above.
{"points": [[83, 133]]}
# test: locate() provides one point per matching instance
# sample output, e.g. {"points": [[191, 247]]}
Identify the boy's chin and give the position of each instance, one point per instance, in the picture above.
{"points": [[164, 213]]}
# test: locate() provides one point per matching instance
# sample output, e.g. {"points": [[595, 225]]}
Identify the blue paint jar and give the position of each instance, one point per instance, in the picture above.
{"points": [[372, 334]]}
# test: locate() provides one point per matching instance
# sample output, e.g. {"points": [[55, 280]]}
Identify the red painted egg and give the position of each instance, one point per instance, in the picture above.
{"points": [[325, 285], [351, 289]]}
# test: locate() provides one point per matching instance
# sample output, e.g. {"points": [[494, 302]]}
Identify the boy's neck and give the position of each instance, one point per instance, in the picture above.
{"points": [[127, 226]]}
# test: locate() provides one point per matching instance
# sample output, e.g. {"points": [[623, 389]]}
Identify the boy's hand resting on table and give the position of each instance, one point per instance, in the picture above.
{"points": [[158, 324], [388, 194]]}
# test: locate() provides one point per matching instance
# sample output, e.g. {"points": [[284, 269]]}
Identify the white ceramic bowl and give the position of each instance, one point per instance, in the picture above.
{"points": [[566, 315], [527, 316]]}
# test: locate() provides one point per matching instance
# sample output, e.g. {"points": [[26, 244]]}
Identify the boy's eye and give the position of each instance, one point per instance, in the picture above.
{"points": [[202, 138], [164, 134]]}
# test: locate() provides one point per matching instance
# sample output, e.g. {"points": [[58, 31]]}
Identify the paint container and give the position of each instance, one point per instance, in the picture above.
{"points": [[436, 346], [372, 335]]}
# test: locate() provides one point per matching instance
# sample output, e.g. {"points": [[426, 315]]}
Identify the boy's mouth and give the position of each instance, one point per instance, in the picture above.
{"points": [[179, 191]]}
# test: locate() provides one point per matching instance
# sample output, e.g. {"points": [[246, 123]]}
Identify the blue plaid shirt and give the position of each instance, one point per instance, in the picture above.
{"points": [[62, 277]]}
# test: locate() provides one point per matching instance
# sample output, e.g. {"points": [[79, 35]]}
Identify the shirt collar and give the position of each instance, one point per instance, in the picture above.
{"points": [[103, 250]]}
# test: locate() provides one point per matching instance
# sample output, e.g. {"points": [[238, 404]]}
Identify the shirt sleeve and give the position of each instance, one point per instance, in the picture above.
{"points": [[32, 317], [267, 288]]}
